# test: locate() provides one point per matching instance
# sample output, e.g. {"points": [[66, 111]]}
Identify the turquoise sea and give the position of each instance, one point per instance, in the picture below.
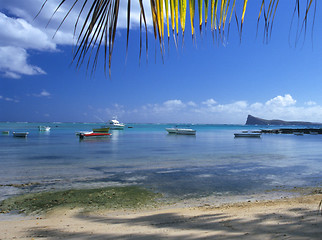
{"points": [[211, 163]]}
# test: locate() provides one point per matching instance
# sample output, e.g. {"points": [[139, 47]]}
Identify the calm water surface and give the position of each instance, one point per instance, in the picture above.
{"points": [[212, 162]]}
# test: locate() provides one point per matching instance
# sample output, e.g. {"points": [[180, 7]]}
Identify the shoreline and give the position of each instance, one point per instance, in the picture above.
{"points": [[254, 218]]}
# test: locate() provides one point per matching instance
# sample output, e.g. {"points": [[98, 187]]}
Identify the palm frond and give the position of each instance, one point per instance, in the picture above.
{"points": [[200, 13], [206, 12], [183, 11], [192, 5], [98, 29]]}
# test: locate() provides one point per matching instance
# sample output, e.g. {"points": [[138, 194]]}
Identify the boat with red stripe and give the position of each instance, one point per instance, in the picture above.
{"points": [[94, 134]]}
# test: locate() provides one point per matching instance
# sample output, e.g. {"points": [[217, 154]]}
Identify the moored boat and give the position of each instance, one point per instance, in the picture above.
{"points": [[93, 134], [248, 134], [101, 129], [181, 131], [44, 128], [5, 132], [83, 132], [20, 134], [115, 125]]}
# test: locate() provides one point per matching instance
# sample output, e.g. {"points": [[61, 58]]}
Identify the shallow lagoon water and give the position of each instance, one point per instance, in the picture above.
{"points": [[211, 163]]}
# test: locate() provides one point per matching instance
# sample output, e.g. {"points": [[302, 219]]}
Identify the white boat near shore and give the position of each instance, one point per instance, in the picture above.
{"points": [[181, 131]]}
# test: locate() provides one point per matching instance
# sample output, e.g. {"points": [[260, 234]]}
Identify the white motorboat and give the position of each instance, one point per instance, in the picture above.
{"points": [[181, 131], [20, 134], [248, 134], [115, 125], [44, 128]]}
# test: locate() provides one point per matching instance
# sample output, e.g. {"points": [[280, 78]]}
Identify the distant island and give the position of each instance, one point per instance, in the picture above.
{"points": [[251, 120]]}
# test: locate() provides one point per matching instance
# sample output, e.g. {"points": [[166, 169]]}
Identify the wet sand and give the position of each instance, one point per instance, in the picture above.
{"points": [[287, 218]]}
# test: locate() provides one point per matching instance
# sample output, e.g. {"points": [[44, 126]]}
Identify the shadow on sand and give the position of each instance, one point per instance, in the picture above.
{"points": [[295, 223]]}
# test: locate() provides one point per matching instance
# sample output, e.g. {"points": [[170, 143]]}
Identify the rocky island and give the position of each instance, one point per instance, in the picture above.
{"points": [[315, 128], [251, 120]]}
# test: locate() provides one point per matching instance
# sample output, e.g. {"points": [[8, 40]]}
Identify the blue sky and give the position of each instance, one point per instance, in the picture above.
{"points": [[202, 82]]}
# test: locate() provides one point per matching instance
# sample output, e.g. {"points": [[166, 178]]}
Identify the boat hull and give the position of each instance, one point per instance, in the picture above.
{"points": [[181, 131], [83, 132], [101, 130], [94, 134], [248, 135], [20, 134], [117, 127]]}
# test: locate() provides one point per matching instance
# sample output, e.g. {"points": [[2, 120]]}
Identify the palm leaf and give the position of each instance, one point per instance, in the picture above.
{"points": [[200, 13], [176, 9], [183, 10], [166, 3], [214, 7], [192, 5], [100, 23], [242, 19], [142, 16], [231, 14], [206, 11]]}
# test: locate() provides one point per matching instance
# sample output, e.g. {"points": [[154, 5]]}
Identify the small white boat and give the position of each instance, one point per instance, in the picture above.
{"points": [[248, 134], [181, 131], [115, 125], [20, 134], [44, 128]]}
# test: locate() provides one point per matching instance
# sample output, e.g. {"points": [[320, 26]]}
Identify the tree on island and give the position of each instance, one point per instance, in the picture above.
{"points": [[101, 17]]}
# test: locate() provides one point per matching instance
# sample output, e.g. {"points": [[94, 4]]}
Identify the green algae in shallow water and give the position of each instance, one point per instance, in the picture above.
{"points": [[89, 199]]}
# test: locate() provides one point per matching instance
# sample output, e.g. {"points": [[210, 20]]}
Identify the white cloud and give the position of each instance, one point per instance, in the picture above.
{"points": [[19, 33], [177, 111], [256, 106], [13, 62], [280, 101], [24, 32], [192, 104], [43, 93], [209, 102], [8, 99], [310, 103], [173, 104]]}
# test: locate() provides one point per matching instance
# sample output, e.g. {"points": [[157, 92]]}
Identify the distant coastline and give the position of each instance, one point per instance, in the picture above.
{"points": [[251, 120]]}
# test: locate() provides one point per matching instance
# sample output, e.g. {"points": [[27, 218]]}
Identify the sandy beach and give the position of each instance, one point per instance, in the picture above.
{"points": [[288, 218]]}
